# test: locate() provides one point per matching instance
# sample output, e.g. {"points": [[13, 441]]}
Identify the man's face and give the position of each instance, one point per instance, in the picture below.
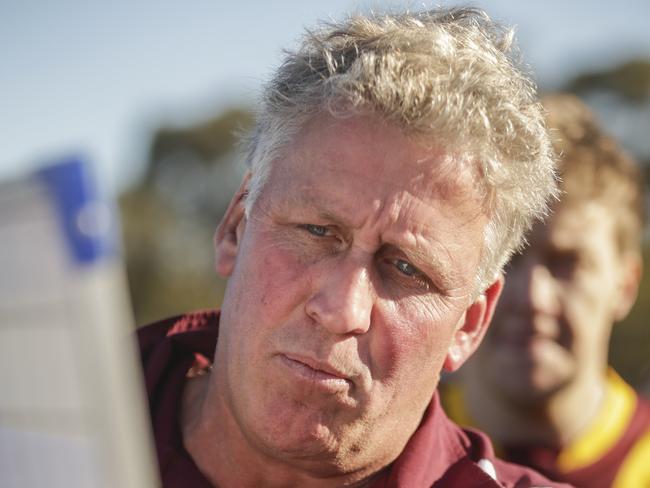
{"points": [[349, 286], [560, 301]]}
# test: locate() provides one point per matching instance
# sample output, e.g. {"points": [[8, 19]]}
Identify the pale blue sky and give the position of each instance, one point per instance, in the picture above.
{"points": [[95, 77]]}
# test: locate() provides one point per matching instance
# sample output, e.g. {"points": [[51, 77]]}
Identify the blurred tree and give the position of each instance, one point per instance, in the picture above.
{"points": [[630, 80], [621, 98], [169, 218]]}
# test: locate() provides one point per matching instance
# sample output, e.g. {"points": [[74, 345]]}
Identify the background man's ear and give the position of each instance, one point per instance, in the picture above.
{"points": [[473, 326], [631, 270], [228, 234]]}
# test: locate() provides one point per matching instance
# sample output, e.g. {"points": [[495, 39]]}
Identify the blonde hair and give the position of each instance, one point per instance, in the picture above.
{"points": [[593, 167], [449, 75]]}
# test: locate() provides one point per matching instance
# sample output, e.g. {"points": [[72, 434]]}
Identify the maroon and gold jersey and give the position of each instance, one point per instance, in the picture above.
{"points": [[614, 451]]}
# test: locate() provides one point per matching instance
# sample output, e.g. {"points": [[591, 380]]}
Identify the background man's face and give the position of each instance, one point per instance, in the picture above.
{"points": [[351, 276], [559, 303]]}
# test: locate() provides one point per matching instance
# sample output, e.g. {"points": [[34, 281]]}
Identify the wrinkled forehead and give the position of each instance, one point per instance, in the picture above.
{"points": [[348, 146], [576, 224]]}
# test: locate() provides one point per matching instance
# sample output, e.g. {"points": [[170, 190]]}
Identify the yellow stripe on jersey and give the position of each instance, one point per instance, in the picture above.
{"points": [[635, 470], [605, 430]]}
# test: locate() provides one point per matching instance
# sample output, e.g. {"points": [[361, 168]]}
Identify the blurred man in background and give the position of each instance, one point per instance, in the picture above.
{"points": [[396, 162], [540, 384]]}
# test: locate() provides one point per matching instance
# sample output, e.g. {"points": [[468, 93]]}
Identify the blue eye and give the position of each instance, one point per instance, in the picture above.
{"points": [[406, 268], [317, 230], [412, 276]]}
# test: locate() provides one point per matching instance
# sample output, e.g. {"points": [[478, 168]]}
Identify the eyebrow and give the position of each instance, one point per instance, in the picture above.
{"points": [[316, 205]]}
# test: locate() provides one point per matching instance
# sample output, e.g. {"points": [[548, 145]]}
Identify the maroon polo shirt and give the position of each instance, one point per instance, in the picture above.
{"points": [[439, 454]]}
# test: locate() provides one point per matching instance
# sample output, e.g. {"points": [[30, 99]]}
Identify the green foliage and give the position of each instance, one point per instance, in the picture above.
{"points": [[630, 80], [169, 218]]}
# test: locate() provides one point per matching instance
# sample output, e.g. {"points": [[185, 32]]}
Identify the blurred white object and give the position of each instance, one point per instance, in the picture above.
{"points": [[71, 396]]}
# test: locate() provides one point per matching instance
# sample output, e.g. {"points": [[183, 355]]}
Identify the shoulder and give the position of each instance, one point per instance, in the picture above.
{"points": [[479, 466], [169, 348], [517, 476], [175, 343], [643, 405], [179, 324], [639, 424], [151, 335], [635, 469], [509, 475]]}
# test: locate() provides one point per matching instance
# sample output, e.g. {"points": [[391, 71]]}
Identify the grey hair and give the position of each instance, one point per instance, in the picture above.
{"points": [[448, 75]]}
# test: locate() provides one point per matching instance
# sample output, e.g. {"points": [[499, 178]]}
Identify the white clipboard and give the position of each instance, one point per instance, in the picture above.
{"points": [[72, 407]]}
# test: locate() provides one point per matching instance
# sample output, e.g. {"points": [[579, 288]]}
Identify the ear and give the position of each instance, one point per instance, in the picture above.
{"points": [[229, 232], [472, 327], [631, 269]]}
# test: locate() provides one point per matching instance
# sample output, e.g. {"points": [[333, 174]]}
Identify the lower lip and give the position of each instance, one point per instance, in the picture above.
{"points": [[326, 381]]}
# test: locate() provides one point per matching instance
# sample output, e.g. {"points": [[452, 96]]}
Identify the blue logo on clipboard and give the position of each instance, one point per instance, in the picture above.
{"points": [[87, 221]]}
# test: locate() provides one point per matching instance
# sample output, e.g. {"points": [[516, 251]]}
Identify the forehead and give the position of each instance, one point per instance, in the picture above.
{"points": [[577, 225], [370, 150]]}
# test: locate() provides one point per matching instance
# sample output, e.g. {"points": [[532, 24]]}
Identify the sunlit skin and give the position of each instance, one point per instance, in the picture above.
{"points": [[546, 352], [351, 285]]}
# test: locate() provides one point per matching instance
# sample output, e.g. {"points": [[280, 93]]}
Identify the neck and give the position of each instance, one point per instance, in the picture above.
{"points": [[552, 420], [226, 458]]}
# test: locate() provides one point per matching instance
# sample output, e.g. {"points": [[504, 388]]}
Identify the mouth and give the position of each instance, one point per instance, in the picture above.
{"points": [[320, 374]]}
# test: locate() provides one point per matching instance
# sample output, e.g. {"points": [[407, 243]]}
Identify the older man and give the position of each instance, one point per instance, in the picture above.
{"points": [[540, 384], [396, 162]]}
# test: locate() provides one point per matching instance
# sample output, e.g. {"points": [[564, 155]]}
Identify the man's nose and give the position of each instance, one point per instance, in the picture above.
{"points": [[343, 297]]}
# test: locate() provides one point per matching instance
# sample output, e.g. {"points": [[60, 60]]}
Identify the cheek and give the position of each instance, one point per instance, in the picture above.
{"points": [[274, 276], [267, 288], [588, 313], [410, 342], [588, 296]]}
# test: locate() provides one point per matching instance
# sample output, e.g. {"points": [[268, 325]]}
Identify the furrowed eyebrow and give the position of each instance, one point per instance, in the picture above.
{"points": [[316, 206]]}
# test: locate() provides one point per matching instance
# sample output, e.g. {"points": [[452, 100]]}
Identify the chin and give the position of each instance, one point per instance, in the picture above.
{"points": [[293, 431]]}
